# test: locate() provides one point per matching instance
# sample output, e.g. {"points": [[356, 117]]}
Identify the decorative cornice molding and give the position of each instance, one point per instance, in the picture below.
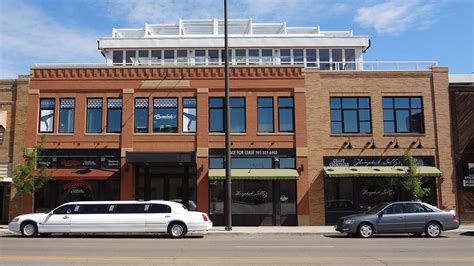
{"points": [[163, 73]]}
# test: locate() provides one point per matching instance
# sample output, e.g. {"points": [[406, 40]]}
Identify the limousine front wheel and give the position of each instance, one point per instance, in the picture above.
{"points": [[177, 230], [29, 229]]}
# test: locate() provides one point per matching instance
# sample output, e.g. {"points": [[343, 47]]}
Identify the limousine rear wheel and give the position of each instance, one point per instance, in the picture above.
{"points": [[29, 229], [177, 230]]}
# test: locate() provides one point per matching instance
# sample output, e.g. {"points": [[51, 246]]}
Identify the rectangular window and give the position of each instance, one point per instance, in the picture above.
{"points": [[169, 56], [130, 57], [403, 114], [240, 56], [182, 56], [189, 115], [156, 57], [237, 114], [285, 56], [229, 52], [46, 115], [349, 55], [267, 56], [141, 115], [265, 114], [254, 56], [216, 162], [114, 115], [311, 57], [287, 163], [324, 59], [94, 115], [143, 57], [117, 57], [129, 208], [252, 163], [200, 57], [298, 57], [216, 114], [165, 115], [350, 115], [213, 56], [66, 115], [337, 59], [286, 114]]}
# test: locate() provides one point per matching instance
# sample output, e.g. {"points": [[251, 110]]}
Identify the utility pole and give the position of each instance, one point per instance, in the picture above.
{"points": [[228, 180]]}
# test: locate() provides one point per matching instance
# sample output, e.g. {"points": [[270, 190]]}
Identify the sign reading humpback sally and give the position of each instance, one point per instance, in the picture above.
{"points": [[374, 161]]}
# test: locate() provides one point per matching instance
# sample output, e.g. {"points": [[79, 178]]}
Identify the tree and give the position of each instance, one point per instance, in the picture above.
{"points": [[412, 181], [31, 176]]}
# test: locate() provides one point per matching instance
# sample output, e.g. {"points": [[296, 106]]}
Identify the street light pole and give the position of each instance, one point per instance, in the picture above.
{"points": [[228, 181]]}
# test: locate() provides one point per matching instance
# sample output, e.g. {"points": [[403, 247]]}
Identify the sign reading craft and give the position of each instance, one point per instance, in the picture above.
{"points": [[257, 152], [468, 180], [374, 161]]}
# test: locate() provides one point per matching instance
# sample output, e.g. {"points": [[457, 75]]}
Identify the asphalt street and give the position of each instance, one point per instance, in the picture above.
{"points": [[333, 249]]}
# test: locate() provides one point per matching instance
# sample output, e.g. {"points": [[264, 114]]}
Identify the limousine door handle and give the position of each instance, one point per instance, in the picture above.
{"points": [[66, 217], [167, 216]]}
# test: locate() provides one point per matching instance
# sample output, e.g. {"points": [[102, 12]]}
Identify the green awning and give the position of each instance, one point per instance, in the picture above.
{"points": [[380, 171], [255, 174]]}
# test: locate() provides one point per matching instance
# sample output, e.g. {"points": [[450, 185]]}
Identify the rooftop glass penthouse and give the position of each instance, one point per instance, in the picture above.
{"points": [[200, 42]]}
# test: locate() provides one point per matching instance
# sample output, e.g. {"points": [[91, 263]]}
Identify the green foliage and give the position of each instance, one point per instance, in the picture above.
{"points": [[29, 176], [411, 181]]}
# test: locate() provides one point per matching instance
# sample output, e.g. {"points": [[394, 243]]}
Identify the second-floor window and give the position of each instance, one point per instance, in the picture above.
{"points": [[265, 114], [286, 114], [66, 115], [165, 115], [403, 115], [141, 115], [237, 114], [189, 115], [114, 115], [350, 115], [216, 114], [94, 115], [46, 115]]}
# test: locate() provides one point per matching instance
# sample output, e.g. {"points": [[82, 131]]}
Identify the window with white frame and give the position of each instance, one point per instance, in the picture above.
{"points": [[156, 57], [143, 57]]}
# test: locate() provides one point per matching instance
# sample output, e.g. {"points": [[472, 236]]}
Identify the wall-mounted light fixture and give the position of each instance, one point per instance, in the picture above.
{"points": [[302, 167], [371, 144], [396, 146], [419, 146], [201, 168], [348, 144]]}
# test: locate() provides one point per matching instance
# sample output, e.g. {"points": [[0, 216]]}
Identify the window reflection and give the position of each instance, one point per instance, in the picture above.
{"points": [[403, 115], [165, 115], [350, 115]]}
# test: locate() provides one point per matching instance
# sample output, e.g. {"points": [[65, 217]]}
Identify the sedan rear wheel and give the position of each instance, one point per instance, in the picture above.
{"points": [[433, 229], [29, 229], [177, 230], [365, 230]]}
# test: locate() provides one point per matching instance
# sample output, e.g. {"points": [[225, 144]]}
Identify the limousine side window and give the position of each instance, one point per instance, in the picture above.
{"points": [[92, 209], [129, 208], [66, 209], [160, 208]]}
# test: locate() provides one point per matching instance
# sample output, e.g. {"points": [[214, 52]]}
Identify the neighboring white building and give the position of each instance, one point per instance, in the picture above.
{"points": [[200, 42]]}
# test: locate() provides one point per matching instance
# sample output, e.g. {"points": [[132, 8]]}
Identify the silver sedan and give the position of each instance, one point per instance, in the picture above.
{"points": [[399, 217]]}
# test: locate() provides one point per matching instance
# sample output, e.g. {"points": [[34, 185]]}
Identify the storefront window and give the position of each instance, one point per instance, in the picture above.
{"points": [[46, 115], [287, 162], [252, 163], [94, 116], [216, 163], [189, 115], [114, 115], [403, 115], [285, 114], [265, 114], [66, 115], [165, 115], [141, 115]]}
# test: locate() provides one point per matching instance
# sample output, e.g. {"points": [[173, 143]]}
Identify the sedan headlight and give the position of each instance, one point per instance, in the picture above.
{"points": [[349, 221], [16, 219]]}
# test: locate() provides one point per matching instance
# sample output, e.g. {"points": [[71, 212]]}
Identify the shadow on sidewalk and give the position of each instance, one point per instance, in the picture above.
{"points": [[468, 233]]}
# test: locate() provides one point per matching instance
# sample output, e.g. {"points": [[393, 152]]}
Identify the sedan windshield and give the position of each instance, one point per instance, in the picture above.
{"points": [[377, 208]]}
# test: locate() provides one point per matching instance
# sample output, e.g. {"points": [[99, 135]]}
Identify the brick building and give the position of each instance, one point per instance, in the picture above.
{"points": [[12, 114], [317, 132]]}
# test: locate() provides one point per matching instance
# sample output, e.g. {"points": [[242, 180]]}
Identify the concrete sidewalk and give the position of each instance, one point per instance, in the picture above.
{"points": [[279, 230]]}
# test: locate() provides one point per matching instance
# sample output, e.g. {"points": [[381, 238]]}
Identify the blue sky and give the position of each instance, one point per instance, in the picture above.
{"points": [[54, 31]]}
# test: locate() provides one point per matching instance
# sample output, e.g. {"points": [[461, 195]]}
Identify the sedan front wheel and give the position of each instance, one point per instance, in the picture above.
{"points": [[365, 230]]}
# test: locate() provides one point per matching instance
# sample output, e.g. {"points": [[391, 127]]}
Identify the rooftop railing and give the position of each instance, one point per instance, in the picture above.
{"points": [[329, 65]]}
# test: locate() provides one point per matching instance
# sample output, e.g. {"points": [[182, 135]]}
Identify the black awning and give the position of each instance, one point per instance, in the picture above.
{"points": [[161, 158]]}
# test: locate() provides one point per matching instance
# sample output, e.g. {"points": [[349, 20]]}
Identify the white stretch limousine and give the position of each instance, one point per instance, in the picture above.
{"points": [[113, 217]]}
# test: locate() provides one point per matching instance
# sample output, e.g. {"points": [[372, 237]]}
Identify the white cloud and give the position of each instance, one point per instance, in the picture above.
{"points": [[29, 36], [397, 16]]}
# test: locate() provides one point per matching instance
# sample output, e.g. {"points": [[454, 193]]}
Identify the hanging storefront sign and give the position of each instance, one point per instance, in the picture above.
{"points": [[80, 159], [354, 161]]}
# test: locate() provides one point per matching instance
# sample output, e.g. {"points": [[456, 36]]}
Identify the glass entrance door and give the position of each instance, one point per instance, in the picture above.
{"points": [[176, 184]]}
